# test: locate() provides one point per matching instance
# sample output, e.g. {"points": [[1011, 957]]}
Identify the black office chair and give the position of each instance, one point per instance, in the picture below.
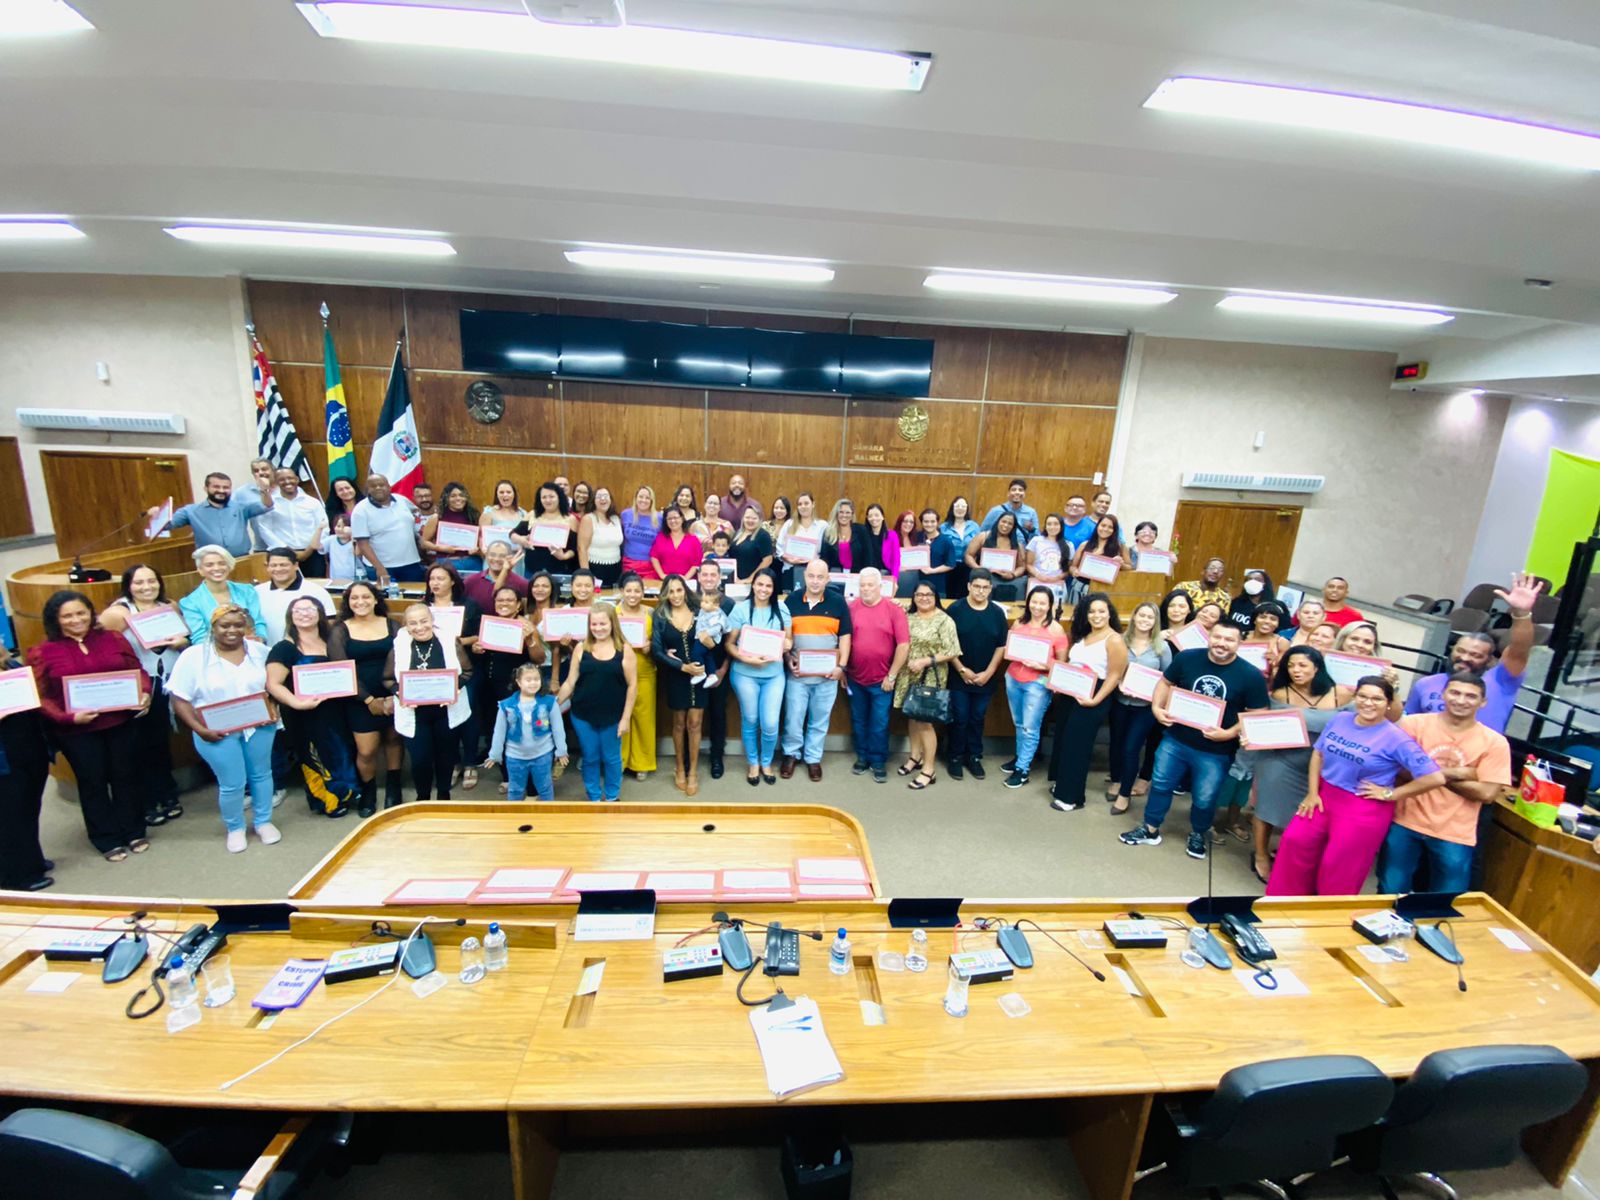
{"points": [[47, 1154], [1465, 1110], [1270, 1121]]}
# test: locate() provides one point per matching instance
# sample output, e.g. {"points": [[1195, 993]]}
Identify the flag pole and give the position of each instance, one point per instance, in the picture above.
{"points": [[255, 344]]}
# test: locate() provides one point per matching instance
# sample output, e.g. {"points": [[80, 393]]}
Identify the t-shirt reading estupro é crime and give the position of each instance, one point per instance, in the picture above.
{"points": [[1239, 684], [1353, 754]]}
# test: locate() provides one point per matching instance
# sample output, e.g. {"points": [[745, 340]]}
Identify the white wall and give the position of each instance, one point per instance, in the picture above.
{"points": [[1406, 474], [1533, 428]]}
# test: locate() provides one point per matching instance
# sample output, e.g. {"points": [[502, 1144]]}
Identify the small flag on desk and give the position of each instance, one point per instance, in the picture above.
{"points": [[276, 438], [396, 450], [341, 454]]}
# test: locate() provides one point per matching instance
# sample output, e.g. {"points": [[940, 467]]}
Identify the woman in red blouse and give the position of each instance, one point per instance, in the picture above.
{"points": [[101, 747], [676, 551]]}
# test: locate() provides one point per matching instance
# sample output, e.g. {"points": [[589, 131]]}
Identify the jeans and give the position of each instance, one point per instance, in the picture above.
{"points": [[967, 712], [520, 772], [1131, 725], [432, 750], [1028, 704], [1206, 772], [602, 759], [1076, 729], [760, 702], [870, 707], [1449, 863], [106, 765], [808, 703], [237, 763]]}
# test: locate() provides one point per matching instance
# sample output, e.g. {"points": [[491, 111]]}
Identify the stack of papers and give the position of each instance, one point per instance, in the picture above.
{"points": [[794, 1048], [832, 878]]}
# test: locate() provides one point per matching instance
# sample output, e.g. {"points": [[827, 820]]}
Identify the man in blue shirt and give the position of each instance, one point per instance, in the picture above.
{"points": [[221, 519], [1475, 652], [1077, 526], [1027, 519]]}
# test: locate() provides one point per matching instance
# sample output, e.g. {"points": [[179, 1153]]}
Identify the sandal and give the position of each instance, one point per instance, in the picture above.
{"points": [[139, 845], [469, 779], [910, 767], [120, 854], [1141, 788], [1241, 834], [916, 785]]}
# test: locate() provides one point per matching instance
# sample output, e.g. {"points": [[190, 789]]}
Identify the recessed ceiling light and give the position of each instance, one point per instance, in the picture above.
{"points": [[1068, 288], [1392, 120], [632, 45], [701, 264], [34, 227], [288, 236], [32, 18], [1332, 308]]}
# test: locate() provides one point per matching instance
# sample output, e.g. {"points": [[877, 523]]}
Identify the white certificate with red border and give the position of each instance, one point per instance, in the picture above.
{"points": [[1275, 729], [1194, 710]]}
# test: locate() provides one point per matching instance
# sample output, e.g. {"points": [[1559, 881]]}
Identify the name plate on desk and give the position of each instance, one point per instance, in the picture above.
{"points": [[615, 916]]}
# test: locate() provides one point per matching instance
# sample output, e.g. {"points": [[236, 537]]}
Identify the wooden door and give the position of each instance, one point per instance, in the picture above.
{"points": [[16, 518], [93, 496], [1244, 536]]}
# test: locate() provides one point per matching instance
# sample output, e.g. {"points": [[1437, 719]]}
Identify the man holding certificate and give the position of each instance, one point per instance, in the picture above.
{"points": [[819, 621], [1198, 700]]}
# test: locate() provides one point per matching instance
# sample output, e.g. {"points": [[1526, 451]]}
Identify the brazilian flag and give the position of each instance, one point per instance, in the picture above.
{"points": [[341, 454]]}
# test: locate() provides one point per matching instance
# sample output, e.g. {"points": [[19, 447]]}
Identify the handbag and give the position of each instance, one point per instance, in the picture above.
{"points": [[927, 704]]}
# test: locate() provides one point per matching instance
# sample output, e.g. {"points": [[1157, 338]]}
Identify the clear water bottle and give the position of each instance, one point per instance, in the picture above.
{"points": [[181, 991], [839, 955], [496, 953], [392, 590], [472, 968], [917, 952]]}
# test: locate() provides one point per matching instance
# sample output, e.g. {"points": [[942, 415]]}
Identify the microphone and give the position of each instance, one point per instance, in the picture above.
{"points": [[81, 574], [1069, 952]]}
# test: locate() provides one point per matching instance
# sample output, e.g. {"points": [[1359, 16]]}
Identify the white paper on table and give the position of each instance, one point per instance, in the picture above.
{"points": [[602, 881], [1139, 681], [1508, 939], [449, 619], [794, 1047], [589, 982], [1126, 980], [915, 558], [827, 870], [529, 879], [1198, 712], [681, 881], [835, 891], [53, 982], [1289, 984], [19, 692], [423, 891], [757, 881]]}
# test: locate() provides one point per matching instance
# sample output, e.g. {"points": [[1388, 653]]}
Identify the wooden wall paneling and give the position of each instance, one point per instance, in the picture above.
{"points": [[16, 518], [621, 420], [572, 307], [767, 483], [625, 476], [898, 490], [91, 495], [303, 395], [874, 439], [773, 428], [1055, 368], [479, 471], [960, 355], [365, 321], [433, 322], [532, 419], [1035, 440]]}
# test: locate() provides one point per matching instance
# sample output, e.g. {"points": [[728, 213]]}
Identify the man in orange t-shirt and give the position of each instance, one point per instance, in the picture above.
{"points": [[1443, 823]]}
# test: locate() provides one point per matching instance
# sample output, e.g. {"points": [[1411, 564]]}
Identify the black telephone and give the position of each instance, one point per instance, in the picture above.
{"points": [[196, 945], [782, 951], [1252, 945]]}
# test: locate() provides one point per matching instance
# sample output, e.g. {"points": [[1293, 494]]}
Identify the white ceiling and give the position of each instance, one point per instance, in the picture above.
{"points": [[1028, 150]]}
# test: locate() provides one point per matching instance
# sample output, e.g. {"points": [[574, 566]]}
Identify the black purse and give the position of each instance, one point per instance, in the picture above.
{"points": [[927, 704]]}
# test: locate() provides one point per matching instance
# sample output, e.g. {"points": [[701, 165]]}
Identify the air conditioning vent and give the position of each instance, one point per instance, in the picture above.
{"points": [[1232, 481], [101, 420]]}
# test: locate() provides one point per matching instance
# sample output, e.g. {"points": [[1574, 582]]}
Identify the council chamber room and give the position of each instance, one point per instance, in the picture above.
{"points": [[766, 600]]}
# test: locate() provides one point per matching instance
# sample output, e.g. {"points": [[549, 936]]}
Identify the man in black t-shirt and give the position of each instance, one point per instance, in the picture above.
{"points": [[1216, 674], [981, 630]]}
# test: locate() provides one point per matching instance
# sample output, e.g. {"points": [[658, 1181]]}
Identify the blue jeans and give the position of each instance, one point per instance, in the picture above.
{"points": [[967, 713], [602, 756], [520, 772], [1029, 702], [1205, 770], [870, 707], [808, 704], [237, 763], [1449, 863], [760, 702]]}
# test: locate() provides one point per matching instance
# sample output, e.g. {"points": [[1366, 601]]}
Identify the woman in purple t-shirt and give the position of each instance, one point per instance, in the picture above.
{"points": [[1334, 838]]}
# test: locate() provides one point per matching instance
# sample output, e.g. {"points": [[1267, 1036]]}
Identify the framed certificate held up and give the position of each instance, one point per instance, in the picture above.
{"points": [[632, 630], [763, 643], [565, 623], [230, 716], [1155, 562], [816, 662], [915, 558], [1193, 636], [19, 692], [1194, 710], [550, 535], [997, 560], [453, 535], [1029, 650], [325, 681], [1349, 669], [1139, 681], [448, 619], [504, 634], [427, 687], [103, 691], [1099, 569], [1275, 729], [1073, 679], [157, 625], [804, 546]]}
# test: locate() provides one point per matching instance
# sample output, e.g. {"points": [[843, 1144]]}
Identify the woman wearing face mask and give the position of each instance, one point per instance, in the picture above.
{"points": [[1096, 644], [144, 590], [1256, 590], [215, 565], [364, 633], [316, 728], [426, 728], [1133, 725]]}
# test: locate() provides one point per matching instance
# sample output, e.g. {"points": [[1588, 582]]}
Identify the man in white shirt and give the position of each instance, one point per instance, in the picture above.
{"points": [[386, 534], [285, 584], [297, 520]]}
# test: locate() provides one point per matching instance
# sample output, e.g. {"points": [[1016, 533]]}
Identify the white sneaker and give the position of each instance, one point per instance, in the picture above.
{"points": [[277, 796], [268, 833], [236, 841], [709, 681]]}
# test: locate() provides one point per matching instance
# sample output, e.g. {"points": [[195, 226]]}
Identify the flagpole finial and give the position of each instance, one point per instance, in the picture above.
{"points": [[324, 312], [250, 328]]}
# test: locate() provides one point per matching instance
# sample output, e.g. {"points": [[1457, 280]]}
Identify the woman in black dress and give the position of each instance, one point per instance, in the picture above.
{"points": [[24, 767], [679, 675], [549, 508], [364, 633], [318, 730]]}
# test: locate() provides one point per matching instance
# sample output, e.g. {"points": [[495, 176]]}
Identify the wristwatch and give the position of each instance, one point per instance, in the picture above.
{"points": [[1388, 794]]}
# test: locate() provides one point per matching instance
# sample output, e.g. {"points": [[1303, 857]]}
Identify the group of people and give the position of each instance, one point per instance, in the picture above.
{"points": [[748, 602]]}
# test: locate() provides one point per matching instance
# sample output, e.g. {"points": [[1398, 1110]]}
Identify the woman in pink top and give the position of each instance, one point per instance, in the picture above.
{"points": [[676, 551], [1026, 690]]}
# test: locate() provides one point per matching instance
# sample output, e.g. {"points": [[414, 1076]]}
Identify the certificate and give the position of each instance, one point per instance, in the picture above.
{"points": [[565, 623], [1256, 655], [1029, 649], [763, 643], [427, 687], [504, 634], [157, 625], [1073, 679], [104, 691], [325, 681], [160, 521], [727, 565], [448, 620], [850, 581], [1192, 636], [230, 716], [804, 546], [1156, 562], [1350, 669], [1275, 729], [815, 662], [1099, 568], [1139, 681], [997, 560], [453, 535], [549, 535], [632, 629], [1194, 710], [915, 558], [18, 691]]}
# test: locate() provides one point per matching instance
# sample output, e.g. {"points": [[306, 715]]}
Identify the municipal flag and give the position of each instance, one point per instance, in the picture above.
{"points": [[396, 450]]}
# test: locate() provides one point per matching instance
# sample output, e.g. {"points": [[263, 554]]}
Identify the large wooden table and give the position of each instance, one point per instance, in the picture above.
{"points": [[1549, 879]]}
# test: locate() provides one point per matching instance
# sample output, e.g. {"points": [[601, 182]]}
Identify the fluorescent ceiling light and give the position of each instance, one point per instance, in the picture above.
{"points": [[1332, 308], [1069, 288], [633, 45], [1393, 120], [701, 264], [33, 227], [414, 244], [31, 18]]}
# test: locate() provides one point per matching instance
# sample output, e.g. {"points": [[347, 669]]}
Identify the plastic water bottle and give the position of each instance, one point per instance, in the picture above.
{"points": [[181, 991], [917, 952], [839, 955], [472, 968], [496, 953]]}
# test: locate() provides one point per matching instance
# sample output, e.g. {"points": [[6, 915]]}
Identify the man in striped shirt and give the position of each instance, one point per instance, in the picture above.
{"points": [[820, 623]]}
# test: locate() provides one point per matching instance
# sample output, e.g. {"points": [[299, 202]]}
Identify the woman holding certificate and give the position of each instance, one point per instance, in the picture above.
{"points": [[844, 543], [601, 685], [157, 633], [672, 646], [1097, 646], [91, 687], [312, 700], [600, 539], [428, 677], [1134, 732], [1049, 558], [215, 564], [799, 540], [934, 646], [634, 619], [758, 638], [640, 524], [675, 550], [941, 557], [455, 614], [506, 639], [1000, 549], [364, 633], [1035, 641], [452, 533], [752, 547], [549, 534], [1107, 557], [219, 690]]}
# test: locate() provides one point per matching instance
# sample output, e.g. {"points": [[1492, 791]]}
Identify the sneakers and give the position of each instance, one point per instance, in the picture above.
{"points": [[975, 765], [1140, 835], [953, 768], [268, 833], [880, 774], [1017, 778], [235, 841], [859, 768], [1196, 846], [277, 796], [1010, 764], [1061, 805]]}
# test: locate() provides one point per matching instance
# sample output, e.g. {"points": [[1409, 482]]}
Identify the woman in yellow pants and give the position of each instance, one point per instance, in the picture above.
{"points": [[639, 746]]}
